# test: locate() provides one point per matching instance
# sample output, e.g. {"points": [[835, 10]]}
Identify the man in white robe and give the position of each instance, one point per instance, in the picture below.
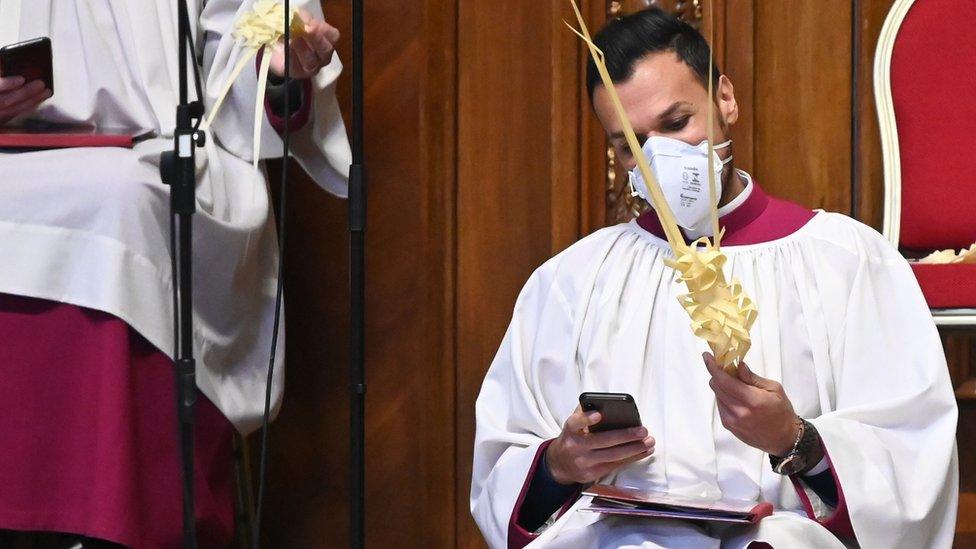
{"points": [[90, 227], [845, 355]]}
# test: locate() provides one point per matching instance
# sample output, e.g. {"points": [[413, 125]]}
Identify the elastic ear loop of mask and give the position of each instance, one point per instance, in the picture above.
{"points": [[282, 209]]}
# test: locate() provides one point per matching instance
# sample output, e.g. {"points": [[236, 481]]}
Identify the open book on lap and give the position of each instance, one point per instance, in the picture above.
{"points": [[619, 500]]}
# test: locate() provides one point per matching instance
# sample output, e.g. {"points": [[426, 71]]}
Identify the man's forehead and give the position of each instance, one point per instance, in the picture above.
{"points": [[660, 84]]}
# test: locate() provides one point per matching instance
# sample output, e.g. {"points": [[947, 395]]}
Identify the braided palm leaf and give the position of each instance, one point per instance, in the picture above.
{"points": [[721, 313]]}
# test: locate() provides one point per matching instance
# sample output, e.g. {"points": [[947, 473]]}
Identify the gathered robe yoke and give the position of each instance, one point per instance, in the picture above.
{"points": [[842, 326]]}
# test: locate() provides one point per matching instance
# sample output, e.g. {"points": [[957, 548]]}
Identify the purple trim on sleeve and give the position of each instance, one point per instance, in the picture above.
{"points": [[839, 522], [298, 119], [519, 537]]}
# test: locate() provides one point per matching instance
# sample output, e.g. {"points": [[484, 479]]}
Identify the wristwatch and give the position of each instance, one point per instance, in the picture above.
{"points": [[800, 458]]}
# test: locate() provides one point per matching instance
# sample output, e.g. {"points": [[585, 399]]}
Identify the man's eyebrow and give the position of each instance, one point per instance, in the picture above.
{"points": [[672, 109], [677, 105]]}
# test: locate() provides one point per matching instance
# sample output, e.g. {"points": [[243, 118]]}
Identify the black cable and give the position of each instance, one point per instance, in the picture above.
{"points": [[283, 193], [185, 19], [177, 169]]}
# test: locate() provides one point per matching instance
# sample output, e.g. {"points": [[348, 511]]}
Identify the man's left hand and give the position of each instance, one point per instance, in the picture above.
{"points": [[755, 409], [310, 52]]}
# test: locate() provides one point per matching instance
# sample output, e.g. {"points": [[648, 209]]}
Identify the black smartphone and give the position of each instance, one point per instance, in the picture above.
{"points": [[618, 410], [31, 59]]}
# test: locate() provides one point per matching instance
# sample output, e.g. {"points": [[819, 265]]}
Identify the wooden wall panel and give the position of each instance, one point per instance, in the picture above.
{"points": [[308, 441], [738, 64], [565, 197], [504, 195], [868, 195], [966, 439], [961, 354], [593, 142], [438, 188], [802, 101], [410, 66]]}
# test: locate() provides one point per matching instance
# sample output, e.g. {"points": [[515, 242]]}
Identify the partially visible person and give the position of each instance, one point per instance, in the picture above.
{"points": [[86, 319]]}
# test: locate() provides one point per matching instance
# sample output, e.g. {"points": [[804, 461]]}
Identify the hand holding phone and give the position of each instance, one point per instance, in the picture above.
{"points": [[583, 453], [26, 77]]}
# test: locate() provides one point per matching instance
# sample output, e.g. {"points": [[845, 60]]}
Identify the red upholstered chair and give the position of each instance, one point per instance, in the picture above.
{"points": [[925, 85]]}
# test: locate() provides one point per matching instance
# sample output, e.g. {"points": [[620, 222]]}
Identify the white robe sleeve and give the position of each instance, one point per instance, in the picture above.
{"points": [[321, 147], [891, 432], [513, 413]]}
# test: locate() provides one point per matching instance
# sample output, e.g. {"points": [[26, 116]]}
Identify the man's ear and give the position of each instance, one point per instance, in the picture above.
{"points": [[727, 105]]}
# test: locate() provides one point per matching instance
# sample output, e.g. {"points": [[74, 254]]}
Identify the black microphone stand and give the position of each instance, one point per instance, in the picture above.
{"points": [[357, 290], [178, 170]]}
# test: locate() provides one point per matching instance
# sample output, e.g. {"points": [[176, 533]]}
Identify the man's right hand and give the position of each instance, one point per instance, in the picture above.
{"points": [[18, 97], [579, 456]]}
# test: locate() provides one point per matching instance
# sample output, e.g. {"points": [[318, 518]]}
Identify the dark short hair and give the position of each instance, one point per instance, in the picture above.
{"points": [[627, 40]]}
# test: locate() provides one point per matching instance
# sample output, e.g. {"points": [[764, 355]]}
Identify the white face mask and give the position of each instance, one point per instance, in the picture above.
{"points": [[682, 171]]}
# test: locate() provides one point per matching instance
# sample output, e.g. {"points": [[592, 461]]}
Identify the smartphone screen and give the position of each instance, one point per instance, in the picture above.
{"points": [[30, 59], [618, 410]]}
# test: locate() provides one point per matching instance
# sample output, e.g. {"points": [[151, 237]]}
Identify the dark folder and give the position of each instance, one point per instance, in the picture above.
{"points": [[618, 500]]}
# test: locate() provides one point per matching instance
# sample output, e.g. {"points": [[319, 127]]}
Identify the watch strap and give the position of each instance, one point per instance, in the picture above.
{"points": [[800, 459]]}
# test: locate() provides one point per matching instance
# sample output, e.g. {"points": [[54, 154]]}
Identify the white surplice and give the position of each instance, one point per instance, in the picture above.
{"points": [[842, 325], [90, 227]]}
